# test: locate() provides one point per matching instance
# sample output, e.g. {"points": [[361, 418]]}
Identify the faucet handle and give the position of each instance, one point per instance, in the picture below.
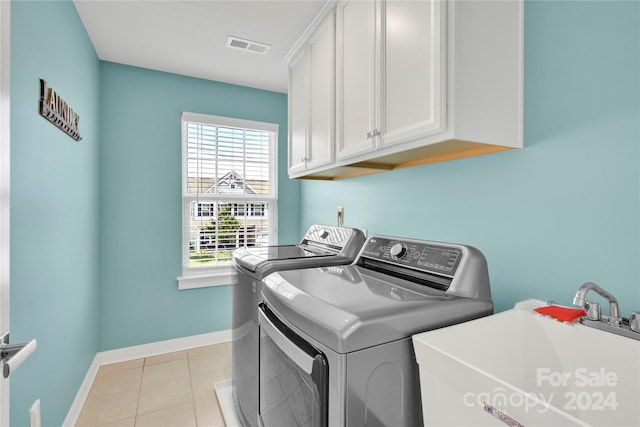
{"points": [[593, 310], [634, 321], [615, 321]]}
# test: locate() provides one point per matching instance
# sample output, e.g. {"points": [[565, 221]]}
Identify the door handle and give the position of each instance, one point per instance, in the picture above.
{"points": [[12, 355], [297, 355]]}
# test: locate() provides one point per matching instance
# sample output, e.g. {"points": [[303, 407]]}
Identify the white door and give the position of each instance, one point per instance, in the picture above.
{"points": [[413, 89], [356, 25], [298, 101], [4, 194], [321, 77]]}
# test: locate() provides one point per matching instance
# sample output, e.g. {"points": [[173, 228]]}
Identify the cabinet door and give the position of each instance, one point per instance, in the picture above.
{"points": [[321, 59], [298, 101], [413, 77], [355, 106]]}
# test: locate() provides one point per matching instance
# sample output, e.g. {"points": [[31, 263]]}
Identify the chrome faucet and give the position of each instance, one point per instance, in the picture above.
{"points": [[578, 300], [629, 328]]}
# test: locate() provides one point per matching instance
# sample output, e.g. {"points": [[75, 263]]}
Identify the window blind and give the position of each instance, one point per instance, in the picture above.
{"points": [[229, 197]]}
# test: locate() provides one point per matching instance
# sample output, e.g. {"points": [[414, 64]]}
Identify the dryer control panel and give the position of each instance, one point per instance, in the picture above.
{"points": [[333, 238], [451, 267], [418, 255]]}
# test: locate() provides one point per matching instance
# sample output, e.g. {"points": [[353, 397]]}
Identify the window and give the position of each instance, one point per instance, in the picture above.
{"points": [[205, 209], [228, 194]]}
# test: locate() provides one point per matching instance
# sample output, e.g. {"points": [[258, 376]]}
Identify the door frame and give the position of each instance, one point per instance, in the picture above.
{"points": [[5, 121]]}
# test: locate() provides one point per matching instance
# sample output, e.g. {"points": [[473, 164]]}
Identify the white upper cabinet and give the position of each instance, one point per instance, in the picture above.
{"points": [[356, 77], [298, 100], [390, 79], [415, 82], [412, 76], [312, 101], [321, 54]]}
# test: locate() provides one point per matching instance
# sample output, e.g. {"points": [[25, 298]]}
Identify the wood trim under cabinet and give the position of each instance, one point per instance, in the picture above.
{"points": [[434, 153]]}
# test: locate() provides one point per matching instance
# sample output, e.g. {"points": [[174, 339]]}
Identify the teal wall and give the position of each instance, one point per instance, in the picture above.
{"points": [[141, 201], [564, 210], [54, 209], [96, 224]]}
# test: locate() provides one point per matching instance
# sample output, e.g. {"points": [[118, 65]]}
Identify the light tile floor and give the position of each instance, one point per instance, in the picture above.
{"points": [[173, 389]]}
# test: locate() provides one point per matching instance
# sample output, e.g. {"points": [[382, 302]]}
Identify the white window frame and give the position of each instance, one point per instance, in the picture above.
{"points": [[223, 273]]}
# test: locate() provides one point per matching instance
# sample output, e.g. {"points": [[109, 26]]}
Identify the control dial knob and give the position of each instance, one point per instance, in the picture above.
{"points": [[324, 233], [398, 250]]}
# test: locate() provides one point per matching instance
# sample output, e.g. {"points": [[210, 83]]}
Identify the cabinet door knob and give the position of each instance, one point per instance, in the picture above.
{"points": [[368, 135]]}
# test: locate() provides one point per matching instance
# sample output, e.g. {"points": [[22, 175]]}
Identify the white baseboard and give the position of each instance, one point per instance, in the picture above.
{"points": [[137, 352], [81, 396], [224, 393]]}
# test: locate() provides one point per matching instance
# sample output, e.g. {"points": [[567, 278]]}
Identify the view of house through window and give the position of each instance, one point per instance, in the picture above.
{"points": [[228, 194]]}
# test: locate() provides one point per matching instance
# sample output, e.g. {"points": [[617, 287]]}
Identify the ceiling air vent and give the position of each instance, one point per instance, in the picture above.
{"points": [[247, 45]]}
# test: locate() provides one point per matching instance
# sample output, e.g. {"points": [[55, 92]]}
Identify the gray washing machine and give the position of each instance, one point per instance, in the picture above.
{"points": [[322, 245], [335, 342]]}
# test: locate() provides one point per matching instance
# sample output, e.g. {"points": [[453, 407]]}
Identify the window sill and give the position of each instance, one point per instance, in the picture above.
{"points": [[219, 277]]}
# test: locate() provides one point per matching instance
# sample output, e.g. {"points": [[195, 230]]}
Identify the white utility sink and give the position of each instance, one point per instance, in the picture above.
{"points": [[519, 367]]}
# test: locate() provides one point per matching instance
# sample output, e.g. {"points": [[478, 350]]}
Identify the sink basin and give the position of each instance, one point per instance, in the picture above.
{"points": [[519, 367]]}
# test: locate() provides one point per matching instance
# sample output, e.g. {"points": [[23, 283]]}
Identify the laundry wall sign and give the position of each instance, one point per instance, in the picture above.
{"points": [[58, 112]]}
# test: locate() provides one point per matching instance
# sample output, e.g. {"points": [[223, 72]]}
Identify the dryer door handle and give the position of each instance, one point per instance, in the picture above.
{"points": [[288, 347]]}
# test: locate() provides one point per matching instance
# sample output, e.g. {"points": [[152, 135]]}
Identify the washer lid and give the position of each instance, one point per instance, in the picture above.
{"points": [[348, 308], [274, 253], [253, 258], [321, 245]]}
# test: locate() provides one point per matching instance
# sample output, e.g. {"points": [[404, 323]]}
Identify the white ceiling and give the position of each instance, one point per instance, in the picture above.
{"points": [[189, 37]]}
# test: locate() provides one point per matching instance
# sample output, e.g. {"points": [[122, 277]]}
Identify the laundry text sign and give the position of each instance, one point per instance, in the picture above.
{"points": [[58, 112]]}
